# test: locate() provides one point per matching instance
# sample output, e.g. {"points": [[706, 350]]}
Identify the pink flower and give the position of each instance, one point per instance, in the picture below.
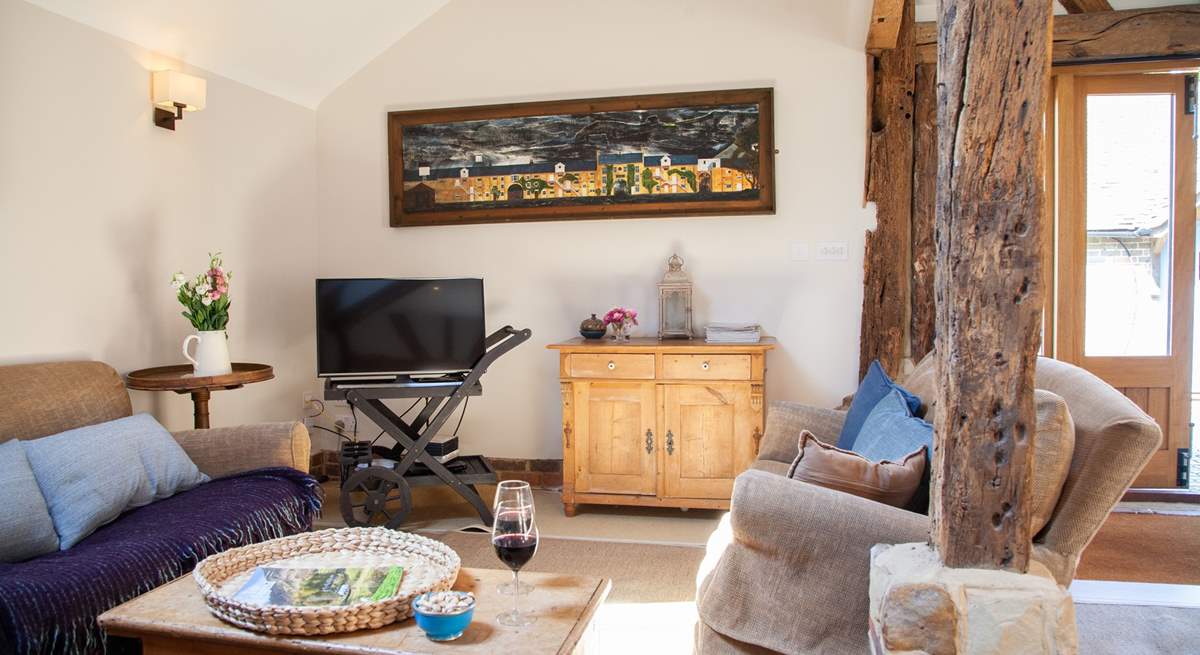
{"points": [[215, 294]]}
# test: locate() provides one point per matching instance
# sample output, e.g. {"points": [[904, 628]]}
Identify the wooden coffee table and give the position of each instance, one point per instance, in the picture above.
{"points": [[174, 619]]}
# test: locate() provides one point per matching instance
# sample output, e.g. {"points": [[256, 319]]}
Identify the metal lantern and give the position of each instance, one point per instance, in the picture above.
{"points": [[675, 302]]}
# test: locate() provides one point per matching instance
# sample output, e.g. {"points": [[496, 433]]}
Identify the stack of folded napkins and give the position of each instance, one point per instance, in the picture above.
{"points": [[732, 333]]}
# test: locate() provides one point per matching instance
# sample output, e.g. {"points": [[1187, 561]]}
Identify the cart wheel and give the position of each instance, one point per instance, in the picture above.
{"points": [[375, 494]]}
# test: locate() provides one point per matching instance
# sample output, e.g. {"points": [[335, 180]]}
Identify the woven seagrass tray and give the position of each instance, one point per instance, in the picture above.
{"points": [[428, 566]]}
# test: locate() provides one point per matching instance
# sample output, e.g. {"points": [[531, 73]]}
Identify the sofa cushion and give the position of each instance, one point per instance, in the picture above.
{"points": [[1053, 447], [889, 482], [891, 432], [141, 463], [25, 526], [875, 385], [920, 383], [49, 604], [772, 466]]}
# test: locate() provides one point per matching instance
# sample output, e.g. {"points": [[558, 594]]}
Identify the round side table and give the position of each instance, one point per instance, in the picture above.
{"points": [[179, 379]]}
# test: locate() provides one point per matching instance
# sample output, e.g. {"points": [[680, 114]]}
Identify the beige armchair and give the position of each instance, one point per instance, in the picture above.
{"points": [[43, 399], [787, 571]]}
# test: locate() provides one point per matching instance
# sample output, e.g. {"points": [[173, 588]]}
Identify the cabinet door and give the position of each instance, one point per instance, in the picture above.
{"points": [[612, 420], [708, 438]]}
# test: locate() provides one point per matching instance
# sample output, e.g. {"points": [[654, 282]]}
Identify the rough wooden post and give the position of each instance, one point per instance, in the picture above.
{"points": [[924, 209], [993, 64], [889, 185]]}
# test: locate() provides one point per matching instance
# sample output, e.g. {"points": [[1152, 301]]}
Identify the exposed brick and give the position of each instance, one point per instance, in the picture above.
{"points": [[552, 481], [546, 465], [533, 478], [501, 464]]}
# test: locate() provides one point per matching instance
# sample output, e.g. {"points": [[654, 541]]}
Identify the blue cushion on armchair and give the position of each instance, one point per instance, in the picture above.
{"points": [[891, 432], [874, 387]]}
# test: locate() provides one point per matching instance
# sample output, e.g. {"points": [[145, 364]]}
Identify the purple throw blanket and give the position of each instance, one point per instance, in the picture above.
{"points": [[49, 604]]}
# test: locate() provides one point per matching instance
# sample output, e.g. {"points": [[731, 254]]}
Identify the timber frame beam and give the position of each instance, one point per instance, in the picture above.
{"points": [[886, 17], [889, 186], [1085, 6], [993, 73], [1150, 33]]}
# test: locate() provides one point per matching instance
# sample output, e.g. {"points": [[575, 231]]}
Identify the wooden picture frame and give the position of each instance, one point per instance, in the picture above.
{"points": [[584, 159]]}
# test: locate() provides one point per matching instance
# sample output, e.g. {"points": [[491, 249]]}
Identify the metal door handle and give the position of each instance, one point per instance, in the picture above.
{"points": [[649, 441], [612, 365], [670, 442]]}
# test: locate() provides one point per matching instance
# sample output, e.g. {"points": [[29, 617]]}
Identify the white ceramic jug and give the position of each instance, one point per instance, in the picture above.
{"points": [[212, 353]]}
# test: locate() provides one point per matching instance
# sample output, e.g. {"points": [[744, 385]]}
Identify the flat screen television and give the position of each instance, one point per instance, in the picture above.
{"points": [[374, 327]]}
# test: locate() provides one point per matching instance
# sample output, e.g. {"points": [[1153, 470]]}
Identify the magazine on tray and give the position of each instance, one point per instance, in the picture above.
{"points": [[300, 586]]}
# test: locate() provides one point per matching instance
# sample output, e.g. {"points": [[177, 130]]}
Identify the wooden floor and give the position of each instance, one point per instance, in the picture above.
{"points": [[1144, 548]]}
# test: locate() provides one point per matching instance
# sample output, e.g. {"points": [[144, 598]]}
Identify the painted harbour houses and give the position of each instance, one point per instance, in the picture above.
{"points": [[615, 175]]}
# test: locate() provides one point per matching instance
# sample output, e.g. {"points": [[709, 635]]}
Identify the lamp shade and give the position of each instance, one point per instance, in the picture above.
{"points": [[171, 87]]}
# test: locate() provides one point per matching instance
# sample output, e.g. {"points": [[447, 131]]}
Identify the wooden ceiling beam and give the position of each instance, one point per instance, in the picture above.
{"points": [[886, 17], [1085, 6], [1150, 33]]}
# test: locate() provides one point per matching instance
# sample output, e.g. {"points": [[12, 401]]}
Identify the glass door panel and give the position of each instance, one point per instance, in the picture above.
{"points": [[1129, 208]]}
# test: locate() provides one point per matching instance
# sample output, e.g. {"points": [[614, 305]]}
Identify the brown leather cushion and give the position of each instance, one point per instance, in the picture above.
{"points": [[892, 483], [1053, 447]]}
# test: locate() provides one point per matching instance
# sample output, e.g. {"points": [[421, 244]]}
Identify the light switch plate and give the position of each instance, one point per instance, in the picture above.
{"points": [[799, 251], [832, 250]]}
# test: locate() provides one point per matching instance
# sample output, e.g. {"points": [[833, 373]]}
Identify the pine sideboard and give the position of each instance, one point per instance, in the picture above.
{"points": [[663, 423]]}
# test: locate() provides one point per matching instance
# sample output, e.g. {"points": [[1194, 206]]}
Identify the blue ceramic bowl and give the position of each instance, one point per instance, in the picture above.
{"points": [[593, 334], [443, 627]]}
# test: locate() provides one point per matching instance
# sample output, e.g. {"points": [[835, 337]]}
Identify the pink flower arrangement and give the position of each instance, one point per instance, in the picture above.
{"points": [[621, 317], [205, 298]]}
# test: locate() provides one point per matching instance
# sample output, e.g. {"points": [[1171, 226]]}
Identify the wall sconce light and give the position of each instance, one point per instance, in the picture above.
{"points": [[174, 93]]}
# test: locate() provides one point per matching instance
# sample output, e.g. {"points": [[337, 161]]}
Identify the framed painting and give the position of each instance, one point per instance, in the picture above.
{"points": [[671, 154]]}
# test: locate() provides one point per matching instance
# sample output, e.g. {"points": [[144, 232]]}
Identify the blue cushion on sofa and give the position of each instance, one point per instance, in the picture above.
{"points": [[875, 385], [891, 432], [25, 526], [90, 475], [49, 604]]}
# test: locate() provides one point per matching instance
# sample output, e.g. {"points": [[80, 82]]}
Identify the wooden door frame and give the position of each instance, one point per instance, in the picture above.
{"points": [[1065, 168]]}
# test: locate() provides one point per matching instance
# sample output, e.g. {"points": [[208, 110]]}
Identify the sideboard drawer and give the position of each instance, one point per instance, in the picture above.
{"points": [[706, 367], [613, 365]]}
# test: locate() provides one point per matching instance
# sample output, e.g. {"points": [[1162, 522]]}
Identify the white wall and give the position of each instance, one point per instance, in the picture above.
{"points": [[98, 207], [549, 276]]}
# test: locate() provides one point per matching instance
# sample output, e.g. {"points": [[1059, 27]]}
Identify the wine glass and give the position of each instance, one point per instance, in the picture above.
{"points": [[517, 491], [515, 538], [514, 491]]}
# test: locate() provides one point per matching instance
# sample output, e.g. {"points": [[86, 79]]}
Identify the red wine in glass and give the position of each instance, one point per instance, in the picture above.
{"points": [[515, 538], [515, 550]]}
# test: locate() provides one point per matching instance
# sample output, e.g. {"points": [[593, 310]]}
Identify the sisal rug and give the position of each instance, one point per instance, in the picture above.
{"points": [[643, 573], [653, 583], [1144, 548]]}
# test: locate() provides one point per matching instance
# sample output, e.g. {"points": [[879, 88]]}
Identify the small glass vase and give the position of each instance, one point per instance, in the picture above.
{"points": [[620, 331]]}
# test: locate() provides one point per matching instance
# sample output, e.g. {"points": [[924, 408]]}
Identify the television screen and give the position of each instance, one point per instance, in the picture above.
{"points": [[374, 326]]}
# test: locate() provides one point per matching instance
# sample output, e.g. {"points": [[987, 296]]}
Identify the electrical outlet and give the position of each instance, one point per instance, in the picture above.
{"points": [[832, 251]]}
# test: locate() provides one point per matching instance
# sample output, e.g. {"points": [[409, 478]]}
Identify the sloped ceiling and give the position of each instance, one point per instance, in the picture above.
{"points": [[299, 50], [927, 9]]}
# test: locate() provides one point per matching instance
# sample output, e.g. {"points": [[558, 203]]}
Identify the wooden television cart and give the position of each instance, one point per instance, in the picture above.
{"points": [[660, 423]]}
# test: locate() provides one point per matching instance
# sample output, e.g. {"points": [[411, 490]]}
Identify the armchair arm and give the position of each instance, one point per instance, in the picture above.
{"points": [[792, 565], [785, 420], [223, 451]]}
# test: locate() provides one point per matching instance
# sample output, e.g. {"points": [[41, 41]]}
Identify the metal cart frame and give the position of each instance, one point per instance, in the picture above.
{"points": [[380, 486]]}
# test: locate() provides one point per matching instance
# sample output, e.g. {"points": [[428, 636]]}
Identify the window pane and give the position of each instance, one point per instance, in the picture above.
{"points": [[1129, 173]]}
